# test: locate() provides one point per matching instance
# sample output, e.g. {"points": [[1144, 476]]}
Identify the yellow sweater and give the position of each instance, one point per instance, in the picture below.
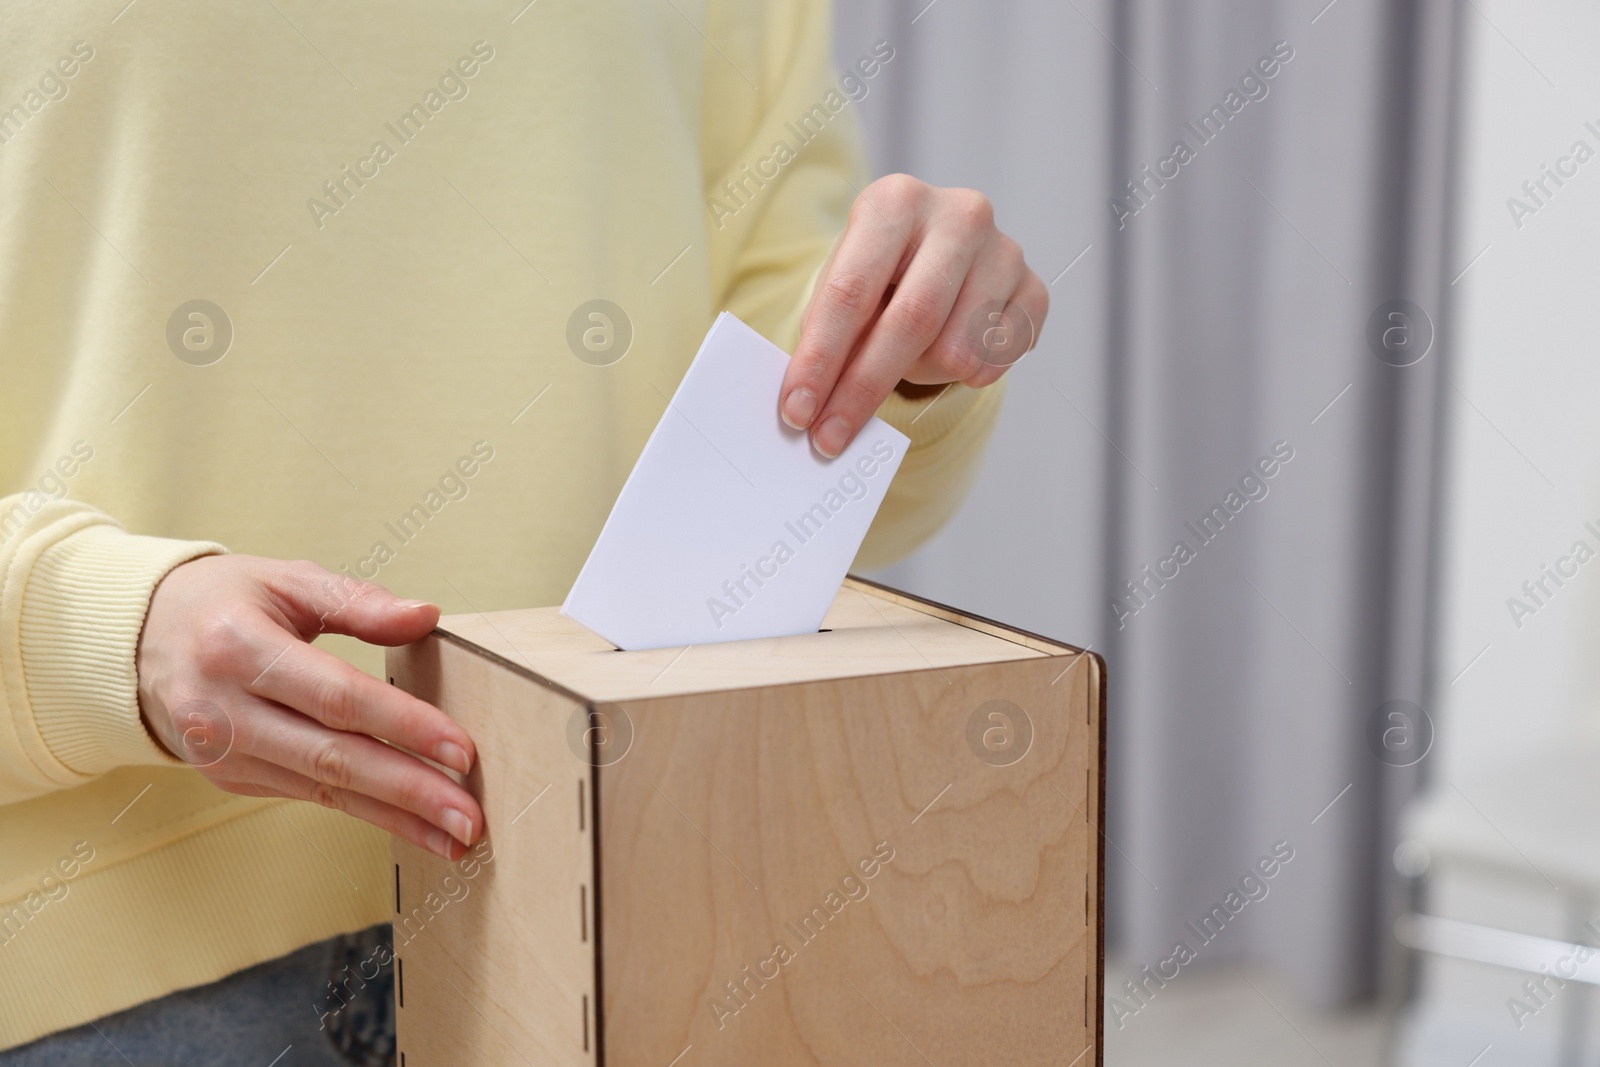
{"points": [[392, 211]]}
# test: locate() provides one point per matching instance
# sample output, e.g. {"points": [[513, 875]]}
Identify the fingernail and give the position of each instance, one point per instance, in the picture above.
{"points": [[459, 825], [799, 409], [832, 436], [439, 842], [452, 755], [412, 605]]}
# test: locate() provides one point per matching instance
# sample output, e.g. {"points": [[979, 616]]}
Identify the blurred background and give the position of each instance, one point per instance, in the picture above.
{"points": [[1369, 270]]}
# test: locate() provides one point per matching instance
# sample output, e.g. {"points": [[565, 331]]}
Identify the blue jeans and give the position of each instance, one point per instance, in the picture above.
{"points": [[283, 1008]]}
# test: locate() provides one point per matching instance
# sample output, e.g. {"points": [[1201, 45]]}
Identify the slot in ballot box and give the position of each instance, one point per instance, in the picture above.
{"points": [[875, 844]]}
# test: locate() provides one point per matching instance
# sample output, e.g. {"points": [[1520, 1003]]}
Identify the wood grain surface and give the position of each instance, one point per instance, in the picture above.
{"points": [[500, 968], [868, 633], [877, 845]]}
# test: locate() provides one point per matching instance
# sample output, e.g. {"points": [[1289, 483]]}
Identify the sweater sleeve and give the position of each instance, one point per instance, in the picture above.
{"points": [[74, 589], [784, 160]]}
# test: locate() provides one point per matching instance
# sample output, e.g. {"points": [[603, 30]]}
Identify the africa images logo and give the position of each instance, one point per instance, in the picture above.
{"points": [[852, 485]]}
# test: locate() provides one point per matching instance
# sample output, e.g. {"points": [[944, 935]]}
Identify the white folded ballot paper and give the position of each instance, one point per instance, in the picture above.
{"points": [[731, 526]]}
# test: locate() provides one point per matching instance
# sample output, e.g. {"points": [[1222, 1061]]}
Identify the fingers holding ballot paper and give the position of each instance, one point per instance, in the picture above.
{"points": [[731, 526]]}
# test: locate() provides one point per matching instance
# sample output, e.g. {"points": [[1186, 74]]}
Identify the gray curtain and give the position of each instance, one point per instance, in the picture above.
{"points": [[1226, 318]]}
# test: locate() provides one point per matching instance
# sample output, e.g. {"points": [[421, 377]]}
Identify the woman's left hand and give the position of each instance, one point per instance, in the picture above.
{"points": [[921, 288]]}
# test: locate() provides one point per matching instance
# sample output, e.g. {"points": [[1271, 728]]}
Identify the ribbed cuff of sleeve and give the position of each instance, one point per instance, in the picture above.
{"points": [[930, 420], [82, 613]]}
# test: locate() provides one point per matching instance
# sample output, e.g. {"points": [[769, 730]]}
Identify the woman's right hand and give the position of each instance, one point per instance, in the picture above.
{"points": [[230, 683]]}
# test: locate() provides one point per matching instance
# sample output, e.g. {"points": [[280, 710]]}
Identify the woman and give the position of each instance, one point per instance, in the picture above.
{"points": [[319, 283]]}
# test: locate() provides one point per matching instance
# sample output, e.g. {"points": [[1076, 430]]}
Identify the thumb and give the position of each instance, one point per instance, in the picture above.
{"points": [[322, 602]]}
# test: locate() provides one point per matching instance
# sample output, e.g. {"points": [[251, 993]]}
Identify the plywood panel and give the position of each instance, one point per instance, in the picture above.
{"points": [[735, 815], [637, 893], [960, 618], [498, 964], [871, 633]]}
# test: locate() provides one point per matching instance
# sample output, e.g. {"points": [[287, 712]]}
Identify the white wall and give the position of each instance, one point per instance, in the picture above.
{"points": [[1524, 438], [1524, 462]]}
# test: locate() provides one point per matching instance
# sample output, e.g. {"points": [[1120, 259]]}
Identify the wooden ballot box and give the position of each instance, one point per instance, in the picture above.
{"points": [[875, 844]]}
